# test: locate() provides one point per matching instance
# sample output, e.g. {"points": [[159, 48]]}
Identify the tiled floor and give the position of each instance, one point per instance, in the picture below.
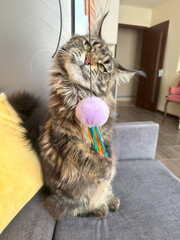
{"points": [[168, 150]]}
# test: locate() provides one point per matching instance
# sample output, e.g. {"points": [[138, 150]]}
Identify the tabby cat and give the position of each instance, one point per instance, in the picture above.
{"points": [[78, 178]]}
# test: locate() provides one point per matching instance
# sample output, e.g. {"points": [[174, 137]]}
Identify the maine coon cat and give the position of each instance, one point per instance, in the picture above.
{"points": [[78, 178]]}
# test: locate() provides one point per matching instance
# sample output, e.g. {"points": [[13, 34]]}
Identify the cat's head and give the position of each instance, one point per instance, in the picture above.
{"points": [[73, 62]]}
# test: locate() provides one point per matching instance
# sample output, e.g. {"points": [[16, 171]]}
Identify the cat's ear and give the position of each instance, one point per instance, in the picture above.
{"points": [[98, 27], [124, 75]]}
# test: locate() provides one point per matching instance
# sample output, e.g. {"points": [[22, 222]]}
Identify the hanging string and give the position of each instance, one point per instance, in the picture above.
{"points": [[60, 29], [90, 44]]}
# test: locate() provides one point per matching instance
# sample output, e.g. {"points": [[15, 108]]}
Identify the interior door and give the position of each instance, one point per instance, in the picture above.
{"points": [[153, 50]]}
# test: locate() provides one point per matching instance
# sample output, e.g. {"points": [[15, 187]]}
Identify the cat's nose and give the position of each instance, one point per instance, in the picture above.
{"points": [[87, 60]]}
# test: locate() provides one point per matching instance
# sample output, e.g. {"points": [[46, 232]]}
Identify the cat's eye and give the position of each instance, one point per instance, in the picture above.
{"points": [[101, 67], [87, 46]]}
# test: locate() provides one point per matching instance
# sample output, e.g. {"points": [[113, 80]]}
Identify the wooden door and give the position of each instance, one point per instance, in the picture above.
{"points": [[153, 50]]}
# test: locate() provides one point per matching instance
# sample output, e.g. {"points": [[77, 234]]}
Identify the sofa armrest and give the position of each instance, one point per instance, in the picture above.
{"points": [[135, 140]]}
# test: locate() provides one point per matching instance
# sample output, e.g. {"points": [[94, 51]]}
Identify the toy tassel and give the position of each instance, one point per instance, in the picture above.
{"points": [[102, 144], [96, 140]]}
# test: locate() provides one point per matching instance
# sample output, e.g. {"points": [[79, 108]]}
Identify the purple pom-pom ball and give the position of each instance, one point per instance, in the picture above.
{"points": [[92, 111]]}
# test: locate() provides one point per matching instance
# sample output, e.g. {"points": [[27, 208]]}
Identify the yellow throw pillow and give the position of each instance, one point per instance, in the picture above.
{"points": [[20, 170]]}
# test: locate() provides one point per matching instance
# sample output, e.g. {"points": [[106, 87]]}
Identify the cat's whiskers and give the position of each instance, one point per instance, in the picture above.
{"points": [[36, 54], [49, 8], [52, 28], [49, 26], [132, 65], [67, 34], [29, 21]]}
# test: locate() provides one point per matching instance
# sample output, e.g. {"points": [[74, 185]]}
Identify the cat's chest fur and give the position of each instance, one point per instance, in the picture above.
{"points": [[85, 136]]}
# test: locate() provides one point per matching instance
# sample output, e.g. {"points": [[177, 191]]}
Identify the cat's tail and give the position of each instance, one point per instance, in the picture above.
{"points": [[26, 106]]}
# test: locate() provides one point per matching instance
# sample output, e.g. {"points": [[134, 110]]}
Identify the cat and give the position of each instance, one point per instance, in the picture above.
{"points": [[79, 178]]}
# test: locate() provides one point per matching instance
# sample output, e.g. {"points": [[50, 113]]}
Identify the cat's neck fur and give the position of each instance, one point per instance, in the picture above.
{"points": [[65, 96]]}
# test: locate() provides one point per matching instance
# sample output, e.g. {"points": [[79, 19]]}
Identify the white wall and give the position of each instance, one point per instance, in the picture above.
{"points": [[169, 10], [135, 15], [110, 26], [27, 43]]}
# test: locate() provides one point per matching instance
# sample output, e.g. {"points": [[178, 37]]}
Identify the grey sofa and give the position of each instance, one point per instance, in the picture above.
{"points": [[149, 192]]}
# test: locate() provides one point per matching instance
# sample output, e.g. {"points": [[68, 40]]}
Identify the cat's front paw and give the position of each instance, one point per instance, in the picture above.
{"points": [[100, 212], [114, 204], [105, 166]]}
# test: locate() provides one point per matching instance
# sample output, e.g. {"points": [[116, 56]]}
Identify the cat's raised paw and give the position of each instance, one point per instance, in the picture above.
{"points": [[105, 168]]}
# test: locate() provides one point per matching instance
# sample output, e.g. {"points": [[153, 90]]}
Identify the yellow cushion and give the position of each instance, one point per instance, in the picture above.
{"points": [[20, 170]]}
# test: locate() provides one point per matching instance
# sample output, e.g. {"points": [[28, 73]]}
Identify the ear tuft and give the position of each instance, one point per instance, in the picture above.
{"points": [[98, 29], [124, 75]]}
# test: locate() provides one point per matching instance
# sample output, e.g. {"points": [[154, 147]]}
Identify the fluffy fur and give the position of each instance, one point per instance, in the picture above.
{"points": [[78, 178], [25, 105]]}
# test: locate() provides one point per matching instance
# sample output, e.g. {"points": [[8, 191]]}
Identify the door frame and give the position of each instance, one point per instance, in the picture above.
{"points": [[156, 85], [132, 26], [148, 89]]}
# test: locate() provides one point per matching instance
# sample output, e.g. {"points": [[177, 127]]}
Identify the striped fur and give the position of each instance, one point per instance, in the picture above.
{"points": [[79, 179]]}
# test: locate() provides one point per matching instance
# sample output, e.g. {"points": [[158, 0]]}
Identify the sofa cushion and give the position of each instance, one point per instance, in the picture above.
{"points": [[135, 140], [33, 222], [20, 170], [150, 207]]}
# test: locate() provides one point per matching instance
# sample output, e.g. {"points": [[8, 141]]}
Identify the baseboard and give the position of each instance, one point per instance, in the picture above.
{"points": [[168, 114], [126, 102]]}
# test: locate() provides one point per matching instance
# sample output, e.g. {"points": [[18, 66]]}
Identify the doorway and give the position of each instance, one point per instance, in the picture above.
{"points": [[142, 48], [128, 54], [153, 52]]}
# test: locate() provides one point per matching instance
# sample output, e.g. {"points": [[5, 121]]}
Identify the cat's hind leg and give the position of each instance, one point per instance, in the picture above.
{"points": [[60, 207], [55, 207]]}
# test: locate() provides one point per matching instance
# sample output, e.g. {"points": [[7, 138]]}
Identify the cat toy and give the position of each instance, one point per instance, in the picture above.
{"points": [[93, 112]]}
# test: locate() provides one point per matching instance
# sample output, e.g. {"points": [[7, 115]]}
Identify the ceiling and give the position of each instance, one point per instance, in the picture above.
{"points": [[142, 3]]}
